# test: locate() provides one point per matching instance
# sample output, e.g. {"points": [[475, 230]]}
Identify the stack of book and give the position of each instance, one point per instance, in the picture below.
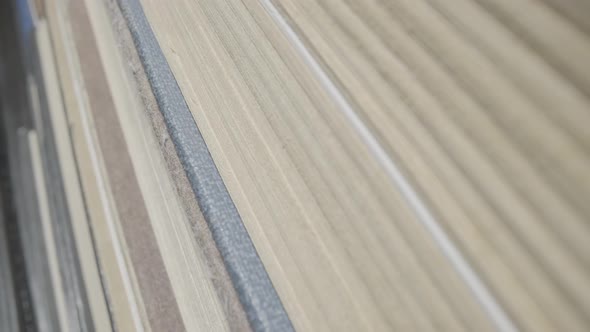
{"points": [[311, 165]]}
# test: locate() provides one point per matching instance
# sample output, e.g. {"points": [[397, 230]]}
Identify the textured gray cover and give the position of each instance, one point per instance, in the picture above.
{"points": [[255, 290]]}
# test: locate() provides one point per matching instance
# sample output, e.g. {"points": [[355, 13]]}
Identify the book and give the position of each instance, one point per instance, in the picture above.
{"points": [[278, 165]]}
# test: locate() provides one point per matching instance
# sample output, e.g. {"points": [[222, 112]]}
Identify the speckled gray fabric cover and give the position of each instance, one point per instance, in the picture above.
{"points": [[256, 292]]}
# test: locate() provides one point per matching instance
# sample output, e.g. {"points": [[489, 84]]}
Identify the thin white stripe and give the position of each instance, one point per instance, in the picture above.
{"points": [[479, 289]]}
